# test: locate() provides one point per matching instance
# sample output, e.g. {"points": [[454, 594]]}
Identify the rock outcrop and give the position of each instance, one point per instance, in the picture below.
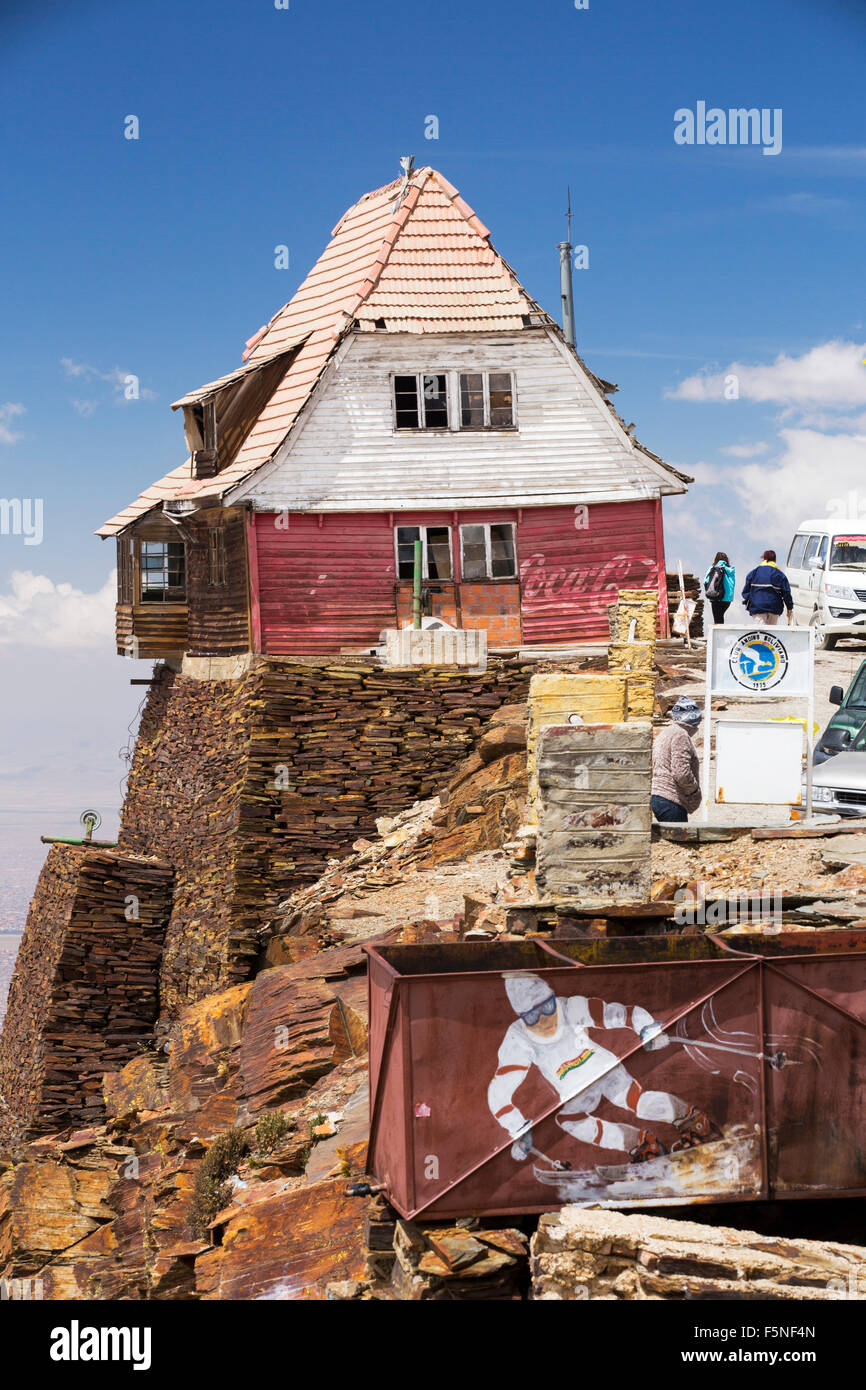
{"points": [[579, 1253]]}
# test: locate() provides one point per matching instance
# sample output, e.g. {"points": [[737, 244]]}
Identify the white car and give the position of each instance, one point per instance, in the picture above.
{"points": [[839, 784], [826, 569]]}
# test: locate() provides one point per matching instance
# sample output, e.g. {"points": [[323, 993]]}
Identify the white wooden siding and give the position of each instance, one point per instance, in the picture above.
{"points": [[345, 455]]}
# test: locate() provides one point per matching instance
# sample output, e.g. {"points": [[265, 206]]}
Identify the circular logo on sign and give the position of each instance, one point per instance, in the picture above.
{"points": [[758, 660]]}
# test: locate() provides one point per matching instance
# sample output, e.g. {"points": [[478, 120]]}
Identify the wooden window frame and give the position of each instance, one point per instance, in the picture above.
{"points": [[454, 401], [422, 427], [486, 373], [489, 577], [170, 596], [423, 528], [125, 570], [217, 573]]}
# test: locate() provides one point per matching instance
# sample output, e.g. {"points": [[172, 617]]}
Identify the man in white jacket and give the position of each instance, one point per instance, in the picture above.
{"points": [[550, 1034]]}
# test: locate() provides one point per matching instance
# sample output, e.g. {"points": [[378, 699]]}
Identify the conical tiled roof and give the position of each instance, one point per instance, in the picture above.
{"points": [[411, 257]]}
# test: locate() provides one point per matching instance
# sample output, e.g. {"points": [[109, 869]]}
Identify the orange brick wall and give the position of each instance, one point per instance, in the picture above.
{"points": [[495, 606]]}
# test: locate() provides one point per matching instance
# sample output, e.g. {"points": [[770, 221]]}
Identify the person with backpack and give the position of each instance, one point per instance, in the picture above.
{"points": [[766, 592], [719, 586]]}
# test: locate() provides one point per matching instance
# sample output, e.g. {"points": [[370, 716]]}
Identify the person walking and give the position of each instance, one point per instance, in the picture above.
{"points": [[676, 787], [766, 592], [719, 583]]}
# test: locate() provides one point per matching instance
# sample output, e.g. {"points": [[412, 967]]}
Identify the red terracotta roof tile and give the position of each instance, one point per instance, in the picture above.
{"points": [[416, 256]]}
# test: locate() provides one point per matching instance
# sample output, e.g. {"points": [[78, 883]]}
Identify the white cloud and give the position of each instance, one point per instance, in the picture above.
{"points": [[810, 204], [117, 378], [745, 451], [704, 474], [84, 408], [845, 154], [831, 375], [817, 475], [9, 412], [37, 612]]}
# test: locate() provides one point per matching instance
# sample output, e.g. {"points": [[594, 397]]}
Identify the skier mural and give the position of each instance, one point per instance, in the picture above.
{"points": [[673, 1148], [550, 1033]]}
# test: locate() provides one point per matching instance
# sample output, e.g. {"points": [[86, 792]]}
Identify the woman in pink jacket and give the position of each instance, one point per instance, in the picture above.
{"points": [[676, 786]]}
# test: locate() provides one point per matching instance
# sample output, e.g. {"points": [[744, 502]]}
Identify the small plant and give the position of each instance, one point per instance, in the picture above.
{"points": [[270, 1130], [211, 1193]]}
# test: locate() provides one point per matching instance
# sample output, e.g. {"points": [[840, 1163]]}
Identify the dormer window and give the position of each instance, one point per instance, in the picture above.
{"points": [[421, 401]]}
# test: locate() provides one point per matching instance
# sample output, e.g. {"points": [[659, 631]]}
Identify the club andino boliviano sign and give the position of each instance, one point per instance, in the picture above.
{"points": [[761, 661]]}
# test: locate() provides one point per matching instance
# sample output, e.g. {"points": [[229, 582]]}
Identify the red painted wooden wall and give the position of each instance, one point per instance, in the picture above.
{"points": [[324, 587], [328, 582], [569, 573]]}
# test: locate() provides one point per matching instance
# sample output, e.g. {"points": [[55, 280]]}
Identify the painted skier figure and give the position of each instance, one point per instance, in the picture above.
{"points": [[550, 1034]]}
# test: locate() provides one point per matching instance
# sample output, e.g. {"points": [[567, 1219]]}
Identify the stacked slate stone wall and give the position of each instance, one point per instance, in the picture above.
{"points": [[248, 788], [84, 997]]}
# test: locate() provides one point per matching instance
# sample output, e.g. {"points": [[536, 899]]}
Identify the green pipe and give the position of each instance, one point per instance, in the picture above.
{"points": [[416, 588], [59, 840]]}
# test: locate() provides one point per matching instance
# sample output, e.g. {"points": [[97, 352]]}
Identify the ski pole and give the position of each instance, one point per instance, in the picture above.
{"points": [[554, 1162], [777, 1060]]}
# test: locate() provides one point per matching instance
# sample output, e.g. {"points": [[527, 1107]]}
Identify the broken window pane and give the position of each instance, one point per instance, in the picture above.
{"points": [[502, 552], [474, 550], [472, 400], [406, 401], [406, 538], [438, 552], [163, 572], [216, 556], [435, 402], [501, 408]]}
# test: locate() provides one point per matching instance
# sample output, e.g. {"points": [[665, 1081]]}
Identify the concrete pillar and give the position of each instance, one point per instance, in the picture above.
{"points": [[594, 815]]}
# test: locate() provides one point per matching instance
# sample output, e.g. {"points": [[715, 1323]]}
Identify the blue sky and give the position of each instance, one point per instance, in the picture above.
{"points": [[259, 126]]}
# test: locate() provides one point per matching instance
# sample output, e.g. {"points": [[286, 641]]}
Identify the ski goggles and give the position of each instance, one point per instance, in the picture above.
{"points": [[547, 1007]]}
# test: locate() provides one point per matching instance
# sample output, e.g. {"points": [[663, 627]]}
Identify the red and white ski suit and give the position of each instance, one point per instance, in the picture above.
{"points": [[581, 1072]]}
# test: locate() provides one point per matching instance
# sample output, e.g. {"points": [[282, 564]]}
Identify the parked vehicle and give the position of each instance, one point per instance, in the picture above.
{"points": [[839, 784], [846, 721], [827, 572]]}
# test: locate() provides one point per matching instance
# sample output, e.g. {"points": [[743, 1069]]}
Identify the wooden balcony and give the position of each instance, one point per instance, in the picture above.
{"points": [[151, 630]]}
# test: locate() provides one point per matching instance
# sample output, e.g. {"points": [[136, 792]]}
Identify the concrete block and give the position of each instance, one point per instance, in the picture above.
{"points": [[631, 656], [408, 647], [634, 605], [557, 697]]}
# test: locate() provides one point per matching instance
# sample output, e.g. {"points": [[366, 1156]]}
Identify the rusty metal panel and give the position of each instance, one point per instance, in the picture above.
{"points": [[623, 1073], [569, 573], [817, 1114], [389, 1081]]}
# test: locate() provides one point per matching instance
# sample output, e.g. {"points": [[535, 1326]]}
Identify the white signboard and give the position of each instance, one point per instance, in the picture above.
{"points": [[761, 661], [759, 762]]}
